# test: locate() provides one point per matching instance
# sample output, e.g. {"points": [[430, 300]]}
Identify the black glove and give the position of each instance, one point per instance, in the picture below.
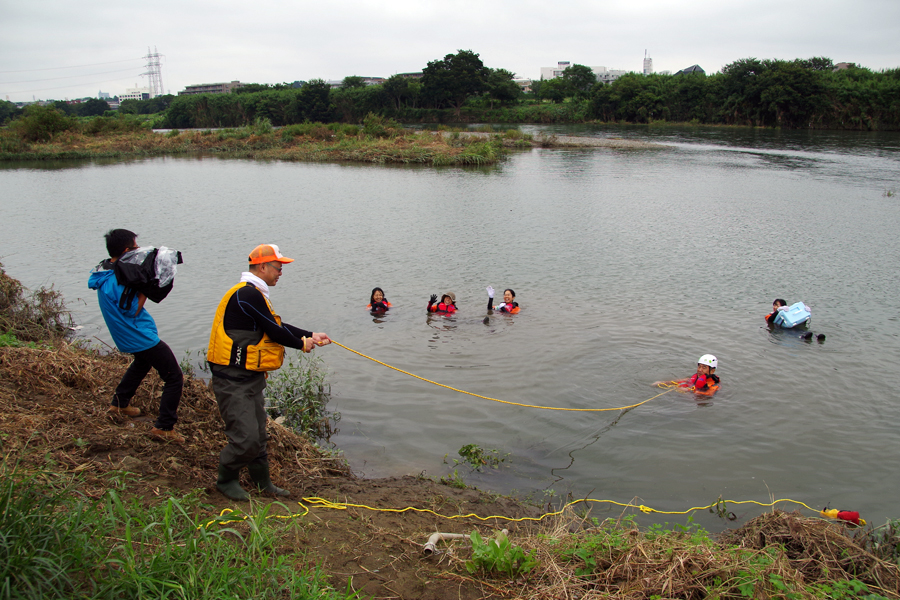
{"points": [[379, 306], [432, 300]]}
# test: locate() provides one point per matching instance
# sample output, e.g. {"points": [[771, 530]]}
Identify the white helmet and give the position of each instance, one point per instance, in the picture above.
{"points": [[710, 360]]}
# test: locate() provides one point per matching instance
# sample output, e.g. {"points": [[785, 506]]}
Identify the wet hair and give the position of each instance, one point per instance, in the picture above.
{"points": [[510, 290], [118, 241], [780, 302], [372, 296]]}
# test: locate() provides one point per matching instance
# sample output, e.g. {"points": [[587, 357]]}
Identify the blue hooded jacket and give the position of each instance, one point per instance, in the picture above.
{"points": [[131, 333]]}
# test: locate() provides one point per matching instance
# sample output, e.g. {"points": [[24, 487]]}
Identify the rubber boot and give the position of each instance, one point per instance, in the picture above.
{"points": [[229, 484], [259, 473]]}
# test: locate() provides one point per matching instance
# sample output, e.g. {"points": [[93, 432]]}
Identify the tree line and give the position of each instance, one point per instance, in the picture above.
{"points": [[796, 94]]}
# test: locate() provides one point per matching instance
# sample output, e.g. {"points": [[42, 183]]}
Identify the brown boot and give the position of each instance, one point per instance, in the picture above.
{"points": [[128, 411], [167, 435]]}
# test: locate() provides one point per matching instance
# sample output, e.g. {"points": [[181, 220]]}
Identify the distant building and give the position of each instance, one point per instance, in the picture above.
{"points": [[691, 69], [334, 83], [607, 76], [601, 73], [842, 66], [103, 95], [135, 93], [210, 88], [524, 85], [554, 72], [411, 75], [648, 64]]}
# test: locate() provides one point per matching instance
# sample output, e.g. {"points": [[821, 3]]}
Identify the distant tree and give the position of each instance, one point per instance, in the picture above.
{"points": [[66, 108], [397, 89], [92, 107], [536, 87], [8, 110], [501, 87], [353, 81], [314, 97], [454, 79], [146, 107], [579, 79], [555, 90], [816, 63], [252, 88], [41, 123]]}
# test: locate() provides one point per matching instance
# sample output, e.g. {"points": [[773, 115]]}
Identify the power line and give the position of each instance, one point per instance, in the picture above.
{"points": [[75, 66], [62, 86], [67, 77]]}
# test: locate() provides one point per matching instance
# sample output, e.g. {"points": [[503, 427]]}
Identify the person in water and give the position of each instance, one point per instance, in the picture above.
{"points": [[447, 304], [509, 305], [704, 381], [377, 302], [778, 304]]}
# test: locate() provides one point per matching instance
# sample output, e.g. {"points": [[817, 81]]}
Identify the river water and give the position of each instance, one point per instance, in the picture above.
{"points": [[628, 266]]}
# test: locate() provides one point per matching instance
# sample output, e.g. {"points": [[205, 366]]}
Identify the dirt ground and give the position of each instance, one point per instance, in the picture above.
{"points": [[53, 407]]}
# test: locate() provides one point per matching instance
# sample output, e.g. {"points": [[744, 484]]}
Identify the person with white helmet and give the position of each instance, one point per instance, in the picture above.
{"points": [[704, 381]]}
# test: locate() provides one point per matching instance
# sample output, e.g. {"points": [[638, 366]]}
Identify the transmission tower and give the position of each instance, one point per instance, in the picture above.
{"points": [[154, 72]]}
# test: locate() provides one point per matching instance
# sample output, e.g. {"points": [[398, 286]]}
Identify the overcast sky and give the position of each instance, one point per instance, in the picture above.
{"points": [[56, 49]]}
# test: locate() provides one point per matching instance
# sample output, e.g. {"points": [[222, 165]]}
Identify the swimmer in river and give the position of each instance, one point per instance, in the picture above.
{"points": [[377, 302], [704, 381], [509, 305], [447, 305]]}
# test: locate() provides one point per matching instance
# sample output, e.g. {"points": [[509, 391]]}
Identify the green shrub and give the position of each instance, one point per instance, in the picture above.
{"points": [[42, 123], [299, 393]]}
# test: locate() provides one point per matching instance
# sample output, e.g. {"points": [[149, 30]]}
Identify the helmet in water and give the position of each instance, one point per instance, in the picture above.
{"points": [[709, 360]]}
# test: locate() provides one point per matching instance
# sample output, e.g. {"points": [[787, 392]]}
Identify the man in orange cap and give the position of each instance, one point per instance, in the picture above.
{"points": [[247, 341]]}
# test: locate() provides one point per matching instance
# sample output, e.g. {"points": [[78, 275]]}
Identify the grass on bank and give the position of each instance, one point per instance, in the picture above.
{"points": [[56, 542], [376, 140]]}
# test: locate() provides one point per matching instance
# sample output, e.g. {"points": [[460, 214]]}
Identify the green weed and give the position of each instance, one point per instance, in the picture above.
{"points": [[499, 556], [299, 393], [454, 480], [477, 457]]}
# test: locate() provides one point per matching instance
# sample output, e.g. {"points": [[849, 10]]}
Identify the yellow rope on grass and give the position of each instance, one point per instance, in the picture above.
{"points": [[719, 505], [497, 399]]}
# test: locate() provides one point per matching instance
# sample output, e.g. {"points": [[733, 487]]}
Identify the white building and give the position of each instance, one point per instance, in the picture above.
{"points": [[601, 73], [554, 72], [648, 64], [135, 93]]}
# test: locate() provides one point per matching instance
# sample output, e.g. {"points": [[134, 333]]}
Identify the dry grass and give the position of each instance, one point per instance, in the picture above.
{"points": [[41, 315], [776, 555], [53, 404]]}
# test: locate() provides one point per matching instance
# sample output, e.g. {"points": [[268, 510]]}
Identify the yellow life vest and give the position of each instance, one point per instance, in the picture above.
{"points": [[265, 355]]}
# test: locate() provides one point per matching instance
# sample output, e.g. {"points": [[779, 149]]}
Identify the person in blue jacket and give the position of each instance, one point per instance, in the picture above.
{"points": [[134, 332]]}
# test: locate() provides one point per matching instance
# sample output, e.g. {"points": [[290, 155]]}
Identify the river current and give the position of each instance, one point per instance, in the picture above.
{"points": [[628, 266]]}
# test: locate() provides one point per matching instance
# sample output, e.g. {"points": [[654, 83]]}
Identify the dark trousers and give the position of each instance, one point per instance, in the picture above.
{"points": [[242, 406], [161, 358]]}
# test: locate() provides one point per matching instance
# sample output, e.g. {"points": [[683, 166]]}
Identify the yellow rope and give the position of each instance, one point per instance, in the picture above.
{"points": [[497, 399], [323, 503]]}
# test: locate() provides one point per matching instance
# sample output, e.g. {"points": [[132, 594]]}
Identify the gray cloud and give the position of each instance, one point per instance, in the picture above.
{"points": [[270, 42]]}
